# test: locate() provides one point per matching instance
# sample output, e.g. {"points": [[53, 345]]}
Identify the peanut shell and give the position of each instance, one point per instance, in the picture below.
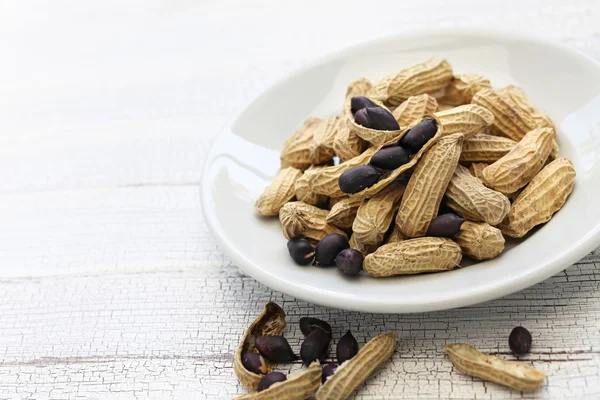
{"points": [[321, 146], [414, 108], [303, 192], [296, 150], [280, 191], [468, 119], [342, 214], [300, 219], [373, 136], [485, 148], [364, 248], [479, 240], [413, 256], [359, 87], [476, 169], [297, 387], [347, 144], [463, 87]]}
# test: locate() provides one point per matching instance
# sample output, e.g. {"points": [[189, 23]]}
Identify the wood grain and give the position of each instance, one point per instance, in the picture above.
{"points": [[111, 285]]}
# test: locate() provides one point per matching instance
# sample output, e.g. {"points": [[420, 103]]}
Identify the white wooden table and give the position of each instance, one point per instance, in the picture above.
{"points": [[111, 285]]}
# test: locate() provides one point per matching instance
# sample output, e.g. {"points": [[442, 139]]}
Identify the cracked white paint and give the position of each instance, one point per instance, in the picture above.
{"points": [[111, 285]]}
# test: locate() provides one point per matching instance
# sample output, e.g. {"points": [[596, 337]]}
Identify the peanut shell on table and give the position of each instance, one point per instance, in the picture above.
{"points": [[426, 77], [297, 387], [514, 374], [545, 195], [271, 322], [427, 186], [351, 374], [280, 191]]}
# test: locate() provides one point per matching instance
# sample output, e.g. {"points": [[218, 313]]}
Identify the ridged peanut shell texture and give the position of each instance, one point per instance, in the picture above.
{"points": [[426, 77], [296, 150], [509, 120], [279, 192], [303, 191], [271, 322], [516, 169], [413, 256], [545, 195], [321, 146], [351, 374], [427, 186], [468, 119], [476, 169], [463, 87], [347, 144], [414, 108], [375, 215], [297, 387], [479, 240], [485, 148], [514, 374], [473, 201], [342, 214], [300, 219]]}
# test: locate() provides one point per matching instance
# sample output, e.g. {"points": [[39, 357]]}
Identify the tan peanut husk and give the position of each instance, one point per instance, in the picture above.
{"points": [[280, 191], [375, 215], [444, 107], [473, 201], [271, 322], [555, 152], [467, 119], [342, 214], [509, 120], [414, 108], [485, 148], [479, 240], [296, 150], [325, 181], [305, 194], [545, 195], [347, 144], [373, 136], [514, 374], [476, 169], [364, 248], [463, 87], [427, 186], [517, 167], [334, 200], [426, 77], [413, 256], [389, 177], [351, 374], [321, 146], [297, 387], [300, 219], [359, 87]]}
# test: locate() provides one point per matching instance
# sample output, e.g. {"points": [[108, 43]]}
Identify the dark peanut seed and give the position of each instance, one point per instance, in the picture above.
{"points": [[519, 340], [420, 134], [347, 347], [358, 178], [315, 346], [390, 157], [301, 250], [275, 348], [360, 102], [328, 248], [254, 362], [270, 379], [349, 261], [377, 118], [328, 370], [309, 324], [446, 225]]}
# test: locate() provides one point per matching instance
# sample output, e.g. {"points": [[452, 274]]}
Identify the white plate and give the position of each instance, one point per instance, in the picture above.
{"points": [[245, 158]]}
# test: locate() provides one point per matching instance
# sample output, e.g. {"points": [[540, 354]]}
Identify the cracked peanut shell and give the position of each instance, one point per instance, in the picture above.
{"points": [[271, 322], [514, 374]]}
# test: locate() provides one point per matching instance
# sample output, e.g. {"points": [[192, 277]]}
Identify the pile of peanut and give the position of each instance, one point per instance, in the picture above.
{"points": [[422, 168]]}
